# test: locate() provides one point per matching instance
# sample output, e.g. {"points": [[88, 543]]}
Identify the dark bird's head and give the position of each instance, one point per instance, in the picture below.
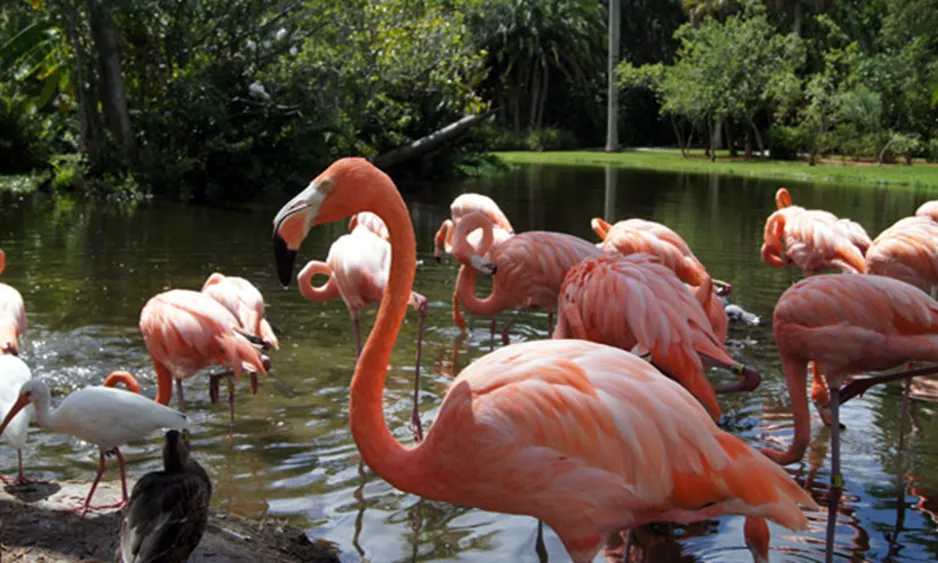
{"points": [[176, 451]]}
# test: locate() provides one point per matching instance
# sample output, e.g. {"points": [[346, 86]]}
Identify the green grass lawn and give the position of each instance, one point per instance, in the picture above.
{"points": [[670, 160]]}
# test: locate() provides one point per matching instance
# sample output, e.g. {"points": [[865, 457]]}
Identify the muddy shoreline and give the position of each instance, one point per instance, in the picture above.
{"points": [[35, 528]]}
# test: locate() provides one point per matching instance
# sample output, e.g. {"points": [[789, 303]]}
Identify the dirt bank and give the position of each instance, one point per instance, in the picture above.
{"points": [[34, 528]]}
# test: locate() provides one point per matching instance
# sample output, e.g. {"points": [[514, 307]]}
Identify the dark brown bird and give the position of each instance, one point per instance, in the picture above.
{"points": [[168, 510]]}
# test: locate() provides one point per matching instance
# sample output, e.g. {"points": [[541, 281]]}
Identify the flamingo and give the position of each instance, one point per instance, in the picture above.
{"points": [[928, 209], [371, 221], [812, 239], [186, 331], [908, 251], [463, 205], [578, 434], [100, 415], [527, 269], [641, 236], [627, 300], [847, 324], [245, 302], [357, 265], [168, 510], [12, 315]]}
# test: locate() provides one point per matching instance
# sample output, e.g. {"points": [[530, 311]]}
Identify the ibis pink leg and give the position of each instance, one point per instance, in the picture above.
{"points": [[21, 476], [101, 467]]}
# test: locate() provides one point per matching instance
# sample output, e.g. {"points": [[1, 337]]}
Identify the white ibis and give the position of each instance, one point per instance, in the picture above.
{"points": [[13, 374], [100, 415], [168, 510]]}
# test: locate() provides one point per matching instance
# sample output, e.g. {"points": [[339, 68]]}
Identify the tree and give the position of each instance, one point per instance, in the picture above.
{"points": [[612, 118]]}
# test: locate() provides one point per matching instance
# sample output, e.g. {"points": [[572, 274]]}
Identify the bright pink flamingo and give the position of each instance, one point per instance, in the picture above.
{"points": [[848, 324], [633, 236], [370, 221], [812, 239], [186, 331], [908, 251], [12, 315], [574, 433], [624, 301], [527, 269], [358, 266], [245, 302]]}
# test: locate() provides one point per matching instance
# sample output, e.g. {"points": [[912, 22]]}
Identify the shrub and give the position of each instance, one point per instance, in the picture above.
{"points": [[785, 142]]}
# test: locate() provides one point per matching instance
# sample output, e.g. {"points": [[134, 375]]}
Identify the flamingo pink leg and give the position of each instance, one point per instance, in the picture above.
{"points": [[101, 467], [358, 335], [415, 417], [182, 401], [837, 479], [492, 337]]}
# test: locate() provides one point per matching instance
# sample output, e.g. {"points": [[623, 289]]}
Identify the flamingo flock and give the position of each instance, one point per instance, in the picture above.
{"points": [[608, 424]]}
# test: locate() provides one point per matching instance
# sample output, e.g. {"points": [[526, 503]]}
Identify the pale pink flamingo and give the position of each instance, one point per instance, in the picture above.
{"points": [[463, 205], [527, 269], [928, 209], [848, 324], [99, 415], [186, 331], [624, 301], [12, 315], [554, 429], [370, 221], [358, 266], [908, 251], [812, 239], [245, 302]]}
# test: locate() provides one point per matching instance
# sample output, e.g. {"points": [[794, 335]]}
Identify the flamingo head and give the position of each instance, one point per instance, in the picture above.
{"points": [[33, 390], [317, 205], [483, 265]]}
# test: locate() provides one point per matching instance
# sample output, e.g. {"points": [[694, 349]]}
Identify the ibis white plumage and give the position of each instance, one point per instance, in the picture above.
{"points": [[13, 374], [100, 415]]}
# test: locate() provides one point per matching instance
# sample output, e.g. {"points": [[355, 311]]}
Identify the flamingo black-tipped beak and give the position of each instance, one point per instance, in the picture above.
{"points": [[482, 265], [284, 258]]}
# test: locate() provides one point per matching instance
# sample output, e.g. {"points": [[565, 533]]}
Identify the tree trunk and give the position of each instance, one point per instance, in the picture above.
{"points": [[535, 87], [680, 137], [748, 154], [612, 108], [111, 84], [729, 137], [798, 17], [543, 99], [714, 133], [431, 142], [89, 119], [755, 132]]}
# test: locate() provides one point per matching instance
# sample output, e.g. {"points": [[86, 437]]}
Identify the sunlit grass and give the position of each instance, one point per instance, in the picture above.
{"points": [[918, 175]]}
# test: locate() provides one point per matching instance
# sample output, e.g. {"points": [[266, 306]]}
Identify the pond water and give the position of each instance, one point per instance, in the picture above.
{"points": [[85, 269]]}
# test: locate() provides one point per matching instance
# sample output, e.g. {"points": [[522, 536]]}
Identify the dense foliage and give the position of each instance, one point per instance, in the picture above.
{"points": [[226, 100]]}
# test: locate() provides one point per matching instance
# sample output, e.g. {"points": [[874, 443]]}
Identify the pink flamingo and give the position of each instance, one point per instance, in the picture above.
{"points": [[577, 434], [12, 315], [640, 236], [358, 266], [928, 209], [370, 221], [908, 251], [624, 301], [527, 269], [245, 302], [186, 331], [463, 205], [847, 324], [814, 240]]}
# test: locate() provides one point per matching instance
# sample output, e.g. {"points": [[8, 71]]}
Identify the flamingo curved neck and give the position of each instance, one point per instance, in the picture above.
{"points": [[326, 292], [380, 451], [466, 294], [462, 248]]}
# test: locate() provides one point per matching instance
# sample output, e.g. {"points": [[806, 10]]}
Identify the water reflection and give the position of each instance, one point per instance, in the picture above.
{"points": [[85, 269]]}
